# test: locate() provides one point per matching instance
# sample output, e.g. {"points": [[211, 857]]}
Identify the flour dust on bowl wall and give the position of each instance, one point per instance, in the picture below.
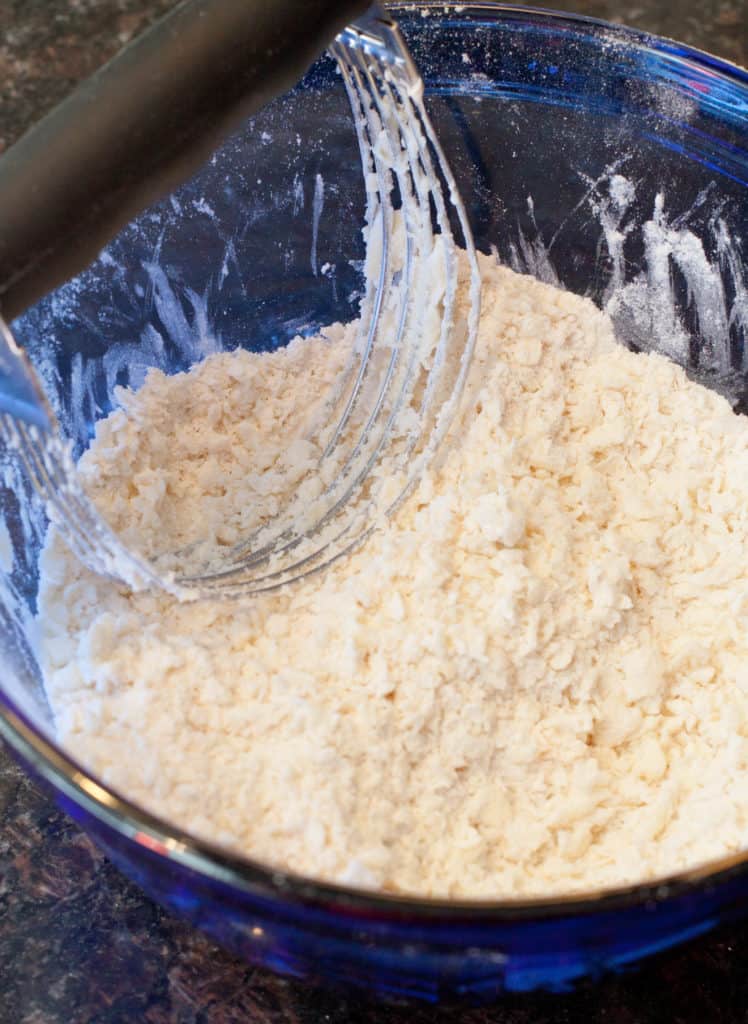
{"points": [[505, 744]]}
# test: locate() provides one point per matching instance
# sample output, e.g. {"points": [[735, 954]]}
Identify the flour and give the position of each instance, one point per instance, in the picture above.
{"points": [[208, 456], [534, 680]]}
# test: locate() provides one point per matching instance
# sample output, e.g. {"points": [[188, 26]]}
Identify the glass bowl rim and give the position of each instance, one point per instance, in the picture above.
{"points": [[254, 878], [664, 44]]}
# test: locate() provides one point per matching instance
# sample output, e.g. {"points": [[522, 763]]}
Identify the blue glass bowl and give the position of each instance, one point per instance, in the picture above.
{"points": [[562, 133]]}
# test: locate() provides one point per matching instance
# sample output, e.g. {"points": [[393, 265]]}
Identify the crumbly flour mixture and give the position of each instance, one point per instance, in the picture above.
{"points": [[533, 681]]}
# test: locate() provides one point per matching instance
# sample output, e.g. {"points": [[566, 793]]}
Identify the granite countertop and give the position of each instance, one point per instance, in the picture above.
{"points": [[79, 943]]}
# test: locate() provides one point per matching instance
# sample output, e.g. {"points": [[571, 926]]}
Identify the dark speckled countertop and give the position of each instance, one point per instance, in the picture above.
{"points": [[79, 943]]}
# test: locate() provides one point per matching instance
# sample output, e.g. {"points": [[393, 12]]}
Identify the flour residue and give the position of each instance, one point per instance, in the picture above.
{"points": [[318, 203], [667, 283]]}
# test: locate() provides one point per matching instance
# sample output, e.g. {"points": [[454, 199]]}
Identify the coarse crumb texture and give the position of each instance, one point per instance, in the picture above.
{"points": [[196, 461], [533, 681]]}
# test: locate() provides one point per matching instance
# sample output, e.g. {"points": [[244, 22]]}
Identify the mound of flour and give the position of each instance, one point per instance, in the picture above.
{"points": [[533, 681]]}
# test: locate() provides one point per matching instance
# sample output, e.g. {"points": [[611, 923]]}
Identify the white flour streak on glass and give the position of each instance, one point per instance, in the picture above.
{"points": [[317, 206], [664, 281], [647, 307], [194, 338]]}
